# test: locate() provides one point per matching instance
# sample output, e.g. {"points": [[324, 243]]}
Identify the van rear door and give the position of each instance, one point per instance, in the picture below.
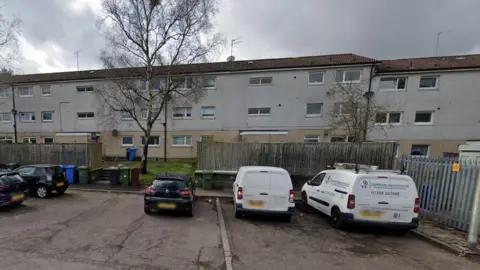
{"points": [[256, 188], [371, 200], [403, 193], [280, 186]]}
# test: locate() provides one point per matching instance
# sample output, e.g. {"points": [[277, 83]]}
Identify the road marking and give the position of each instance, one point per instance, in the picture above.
{"points": [[226, 245]]}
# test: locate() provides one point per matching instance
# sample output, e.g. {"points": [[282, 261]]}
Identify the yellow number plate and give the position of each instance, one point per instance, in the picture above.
{"points": [[167, 205], [256, 203], [60, 184], [18, 197], [373, 214]]}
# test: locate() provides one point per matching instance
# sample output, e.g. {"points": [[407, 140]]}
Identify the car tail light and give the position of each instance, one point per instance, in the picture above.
{"points": [[240, 193], [416, 208], [186, 192], [3, 187], [150, 191], [351, 201], [292, 195]]}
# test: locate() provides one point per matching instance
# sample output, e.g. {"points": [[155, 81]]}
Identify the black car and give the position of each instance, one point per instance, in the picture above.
{"points": [[171, 192], [43, 179], [13, 189]]}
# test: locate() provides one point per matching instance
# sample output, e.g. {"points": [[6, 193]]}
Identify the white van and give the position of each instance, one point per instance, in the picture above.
{"points": [[368, 197], [264, 191]]}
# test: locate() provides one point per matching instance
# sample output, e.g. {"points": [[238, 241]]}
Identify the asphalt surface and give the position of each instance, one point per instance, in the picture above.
{"points": [[106, 231], [309, 242]]}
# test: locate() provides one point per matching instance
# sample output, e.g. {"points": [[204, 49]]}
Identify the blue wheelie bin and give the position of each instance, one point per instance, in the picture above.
{"points": [[132, 152], [70, 173]]}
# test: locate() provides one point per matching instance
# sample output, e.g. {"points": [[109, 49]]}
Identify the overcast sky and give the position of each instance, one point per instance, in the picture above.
{"points": [[53, 30]]}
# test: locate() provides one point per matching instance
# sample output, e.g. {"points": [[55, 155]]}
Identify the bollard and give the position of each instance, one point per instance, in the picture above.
{"points": [[475, 220]]}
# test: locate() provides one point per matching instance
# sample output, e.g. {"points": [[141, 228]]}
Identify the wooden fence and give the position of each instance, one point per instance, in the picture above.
{"points": [[81, 154], [297, 158]]}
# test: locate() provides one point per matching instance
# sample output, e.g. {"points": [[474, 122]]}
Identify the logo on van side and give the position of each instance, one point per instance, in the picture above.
{"points": [[364, 184]]}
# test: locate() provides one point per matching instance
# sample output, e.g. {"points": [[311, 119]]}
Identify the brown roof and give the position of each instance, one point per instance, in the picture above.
{"points": [[430, 63], [260, 64]]}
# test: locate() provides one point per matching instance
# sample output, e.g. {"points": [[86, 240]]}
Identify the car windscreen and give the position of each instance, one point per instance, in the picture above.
{"points": [[169, 183], [6, 180], [52, 170]]}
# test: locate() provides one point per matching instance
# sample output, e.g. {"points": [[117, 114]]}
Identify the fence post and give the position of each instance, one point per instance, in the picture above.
{"points": [[475, 220]]}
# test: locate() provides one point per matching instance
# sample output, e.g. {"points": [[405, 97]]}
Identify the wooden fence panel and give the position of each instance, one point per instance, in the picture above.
{"points": [[296, 158]]}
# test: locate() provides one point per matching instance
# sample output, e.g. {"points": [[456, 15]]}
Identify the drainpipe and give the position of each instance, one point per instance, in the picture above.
{"points": [[368, 95], [165, 141], [14, 112]]}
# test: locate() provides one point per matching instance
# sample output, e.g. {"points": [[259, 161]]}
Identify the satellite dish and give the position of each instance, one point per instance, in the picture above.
{"points": [[114, 133], [231, 58]]}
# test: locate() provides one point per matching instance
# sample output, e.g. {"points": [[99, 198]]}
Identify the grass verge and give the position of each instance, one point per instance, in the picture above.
{"points": [[156, 167]]}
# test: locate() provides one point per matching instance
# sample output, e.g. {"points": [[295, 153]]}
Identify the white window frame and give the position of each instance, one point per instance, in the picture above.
{"points": [[314, 115], [437, 81], [428, 150], [86, 117], [43, 140], [128, 118], [185, 144], [214, 82], [185, 83], [345, 71], [395, 89], [30, 88], [133, 141], [43, 120], [32, 115], [432, 115], [29, 139], [1, 117], [260, 81], [6, 139], [340, 109], [85, 87], [42, 87], [202, 136], [258, 111], [5, 93], [161, 84], [387, 119], [152, 145], [311, 139], [316, 72], [208, 116], [185, 113]]}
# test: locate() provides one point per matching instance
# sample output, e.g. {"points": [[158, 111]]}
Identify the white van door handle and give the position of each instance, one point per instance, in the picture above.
{"points": [[263, 193]]}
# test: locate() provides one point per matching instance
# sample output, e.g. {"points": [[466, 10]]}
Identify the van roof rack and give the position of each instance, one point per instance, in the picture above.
{"points": [[364, 168]]}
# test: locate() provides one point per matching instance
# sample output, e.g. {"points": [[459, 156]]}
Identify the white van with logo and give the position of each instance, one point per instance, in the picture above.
{"points": [[263, 191], [367, 197]]}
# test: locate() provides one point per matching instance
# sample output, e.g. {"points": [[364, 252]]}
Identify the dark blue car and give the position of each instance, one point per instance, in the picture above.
{"points": [[13, 189]]}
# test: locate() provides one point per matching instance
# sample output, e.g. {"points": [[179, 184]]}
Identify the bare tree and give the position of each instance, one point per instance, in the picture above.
{"points": [[153, 42], [9, 31], [355, 113]]}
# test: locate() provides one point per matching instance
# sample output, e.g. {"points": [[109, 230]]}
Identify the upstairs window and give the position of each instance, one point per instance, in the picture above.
{"points": [[261, 81], [4, 93], [5, 117], [86, 115], [315, 77], [428, 82], [182, 83], [348, 76], [25, 91], [423, 118], [45, 90], [47, 116], [27, 117], [182, 112], [339, 108], [126, 116], [388, 118], [84, 89], [155, 84], [393, 83], [209, 82], [208, 112], [314, 109], [258, 111]]}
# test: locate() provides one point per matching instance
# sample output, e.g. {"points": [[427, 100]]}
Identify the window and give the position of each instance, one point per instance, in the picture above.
{"points": [[154, 140], [393, 83], [6, 140], [423, 118], [4, 93], [48, 140], [317, 180], [154, 84], [315, 78], [84, 89], [45, 90], [25, 91], [47, 116], [344, 76], [314, 109], [25, 171], [29, 140], [338, 139], [209, 82], [311, 138], [261, 81], [258, 111], [182, 140], [208, 112], [182, 83], [27, 117], [126, 116], [86, 115], [206, 138], [428, 82], [144, 113], [5, 117], [127, 141], [388, 118], [420, 150], [339, 108], [182, 112]]}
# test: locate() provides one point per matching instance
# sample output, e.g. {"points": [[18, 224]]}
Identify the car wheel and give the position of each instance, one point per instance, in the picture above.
{"points": [[147, 210], [304, 199], [43, 192], [336, 218], [238, 214]]}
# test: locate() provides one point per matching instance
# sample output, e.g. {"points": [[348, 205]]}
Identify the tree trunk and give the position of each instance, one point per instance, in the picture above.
{"points": [[144, 157]]}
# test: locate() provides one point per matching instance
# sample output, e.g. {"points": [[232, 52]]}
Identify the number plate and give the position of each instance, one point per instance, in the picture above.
{"points": [[60, 184], [17, 197], [167, 205], [256, 203], [372, 214]]}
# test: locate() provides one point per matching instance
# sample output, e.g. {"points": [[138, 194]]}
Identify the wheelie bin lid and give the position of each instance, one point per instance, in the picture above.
{"points": [[71, 166]]}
